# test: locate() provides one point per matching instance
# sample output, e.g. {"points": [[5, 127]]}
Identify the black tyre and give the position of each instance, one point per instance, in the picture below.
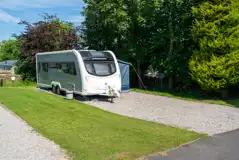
{"points": [[58, 91], [54, 89], [112, 100]]}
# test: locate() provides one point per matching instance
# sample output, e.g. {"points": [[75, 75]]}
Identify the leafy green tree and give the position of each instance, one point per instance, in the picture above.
{"points": [[52, 34], [143, 17], [172, 40], [106, 24], [122, 26], [9, 49], [143, 32], [215, 62]]}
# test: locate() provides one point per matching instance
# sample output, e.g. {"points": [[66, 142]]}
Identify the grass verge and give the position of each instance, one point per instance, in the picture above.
{"points": [[87, 132], [19, 84], [191, 96]]}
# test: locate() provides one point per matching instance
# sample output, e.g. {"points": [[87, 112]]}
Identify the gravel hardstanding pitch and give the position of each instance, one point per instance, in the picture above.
{"points": [[199, 117], [18, 141]]}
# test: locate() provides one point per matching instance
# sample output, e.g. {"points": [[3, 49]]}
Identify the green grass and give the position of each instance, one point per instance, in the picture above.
{"points": [[192, 96], [87, 132], [19, 84]]}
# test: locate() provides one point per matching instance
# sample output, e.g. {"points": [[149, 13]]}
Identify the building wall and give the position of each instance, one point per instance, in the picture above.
{"points": [[3, 67], [6, 75]]}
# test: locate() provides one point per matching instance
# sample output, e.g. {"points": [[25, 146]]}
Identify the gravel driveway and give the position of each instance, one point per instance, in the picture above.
{"points": [[199, 117], [18, 141]]}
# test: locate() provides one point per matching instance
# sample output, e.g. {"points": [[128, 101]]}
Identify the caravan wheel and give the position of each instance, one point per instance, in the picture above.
{"points": [[58, 91], [112, 100], [53, 89]]}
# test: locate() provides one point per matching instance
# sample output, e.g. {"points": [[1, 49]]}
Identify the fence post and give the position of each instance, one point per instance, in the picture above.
{"points": [[1, 82]]}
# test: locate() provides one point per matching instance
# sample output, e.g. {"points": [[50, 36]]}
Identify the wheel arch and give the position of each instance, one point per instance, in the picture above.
{"points": [[56, 84]]}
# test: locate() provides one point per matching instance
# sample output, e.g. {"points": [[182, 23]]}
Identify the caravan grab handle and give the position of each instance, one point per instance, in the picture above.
{"points": [[74, 86]]}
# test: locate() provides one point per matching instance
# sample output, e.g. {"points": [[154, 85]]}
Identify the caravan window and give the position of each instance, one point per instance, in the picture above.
{"points": [[39, 67], [100, 68], [68, 67], [86, 55], [98, 63], [72, 68], [52, 65], [89, 68], [64, 67], [45, 67]]}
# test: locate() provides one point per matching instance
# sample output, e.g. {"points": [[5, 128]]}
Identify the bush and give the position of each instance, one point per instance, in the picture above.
{"points": [[215, 63], [51, 34]]}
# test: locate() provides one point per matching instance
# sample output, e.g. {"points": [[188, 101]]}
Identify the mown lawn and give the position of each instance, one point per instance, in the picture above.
{"points": [[87, 132], [192, 96], [19, 84]]}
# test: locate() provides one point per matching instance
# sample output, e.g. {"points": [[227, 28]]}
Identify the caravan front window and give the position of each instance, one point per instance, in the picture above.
{"points": [[89, 68], [98, 63], [100, 68]]}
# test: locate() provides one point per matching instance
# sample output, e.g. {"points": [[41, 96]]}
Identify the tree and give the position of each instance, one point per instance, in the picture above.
{"points": [[9, 49], [172, 42], [215, 62], [52, 34], [106, 24], [122, 26], [142, 15]]}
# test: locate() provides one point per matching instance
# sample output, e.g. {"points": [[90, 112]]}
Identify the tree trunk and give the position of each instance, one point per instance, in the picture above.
{"points": [[139, 73], [224, 93], [170, 25], [170, 82]]}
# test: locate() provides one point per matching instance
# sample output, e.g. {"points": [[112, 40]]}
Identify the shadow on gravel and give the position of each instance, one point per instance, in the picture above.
{"points": [[91, 98], [81, 98]]}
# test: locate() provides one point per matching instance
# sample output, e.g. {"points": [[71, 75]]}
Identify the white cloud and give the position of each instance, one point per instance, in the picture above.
{"points": [[4, 16], [14, 4], [76, 19]]}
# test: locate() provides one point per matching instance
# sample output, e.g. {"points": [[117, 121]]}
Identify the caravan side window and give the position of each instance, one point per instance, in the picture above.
{"points": [[39, 67], [45, 67], [58, 65], [52, 65], [64, 67], [68, 68], [72, 68]]}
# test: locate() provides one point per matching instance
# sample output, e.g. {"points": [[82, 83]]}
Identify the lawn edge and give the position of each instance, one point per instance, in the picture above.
{"points": [[67, 155]]}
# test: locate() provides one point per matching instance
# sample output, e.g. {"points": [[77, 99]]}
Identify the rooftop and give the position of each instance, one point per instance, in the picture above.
{"points": [[8, 63]]}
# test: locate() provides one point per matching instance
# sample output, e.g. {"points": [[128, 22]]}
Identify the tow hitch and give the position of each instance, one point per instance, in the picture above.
{"points": [[113, 94]]}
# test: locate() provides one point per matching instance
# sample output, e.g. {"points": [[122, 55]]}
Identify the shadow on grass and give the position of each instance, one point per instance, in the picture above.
{"points": [[233, 102], [193, 96]]}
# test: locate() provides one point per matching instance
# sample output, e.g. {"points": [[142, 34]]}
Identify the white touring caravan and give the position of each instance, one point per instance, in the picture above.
{"points": [[85, 72]]}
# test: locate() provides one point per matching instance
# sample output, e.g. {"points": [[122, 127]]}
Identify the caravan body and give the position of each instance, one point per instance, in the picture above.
{"points": [[86, 72]]}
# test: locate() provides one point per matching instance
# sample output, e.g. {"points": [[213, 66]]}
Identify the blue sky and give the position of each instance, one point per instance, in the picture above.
{"points": [[12, 11]]}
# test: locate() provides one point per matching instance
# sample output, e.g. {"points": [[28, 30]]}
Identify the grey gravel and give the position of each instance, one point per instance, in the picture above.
{"points": [[18, 141], [200, 117]]}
